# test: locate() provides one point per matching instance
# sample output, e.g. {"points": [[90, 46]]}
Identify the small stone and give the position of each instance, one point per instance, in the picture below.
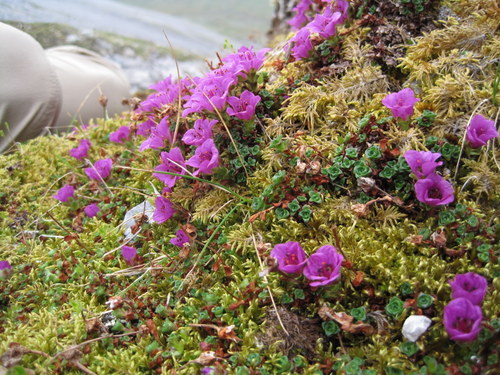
{"points": [[366, 184], [414, 326]]}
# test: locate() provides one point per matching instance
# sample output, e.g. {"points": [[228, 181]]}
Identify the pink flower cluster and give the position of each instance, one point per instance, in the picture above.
{"points": [[322, 267], [431, 188], [211, 93], [323, 24], [463, 314], [203, 96]]}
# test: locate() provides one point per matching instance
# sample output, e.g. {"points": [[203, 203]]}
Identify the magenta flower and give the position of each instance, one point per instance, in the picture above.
{"points": [[164, 210], [462, 319], [159, 136], [5, 268], [290, 256], [434, 190], [91, 210], [323, 267], [422, 163], [246, 60], [180, 239], [401, 103], [172, 162], [300, 44], [207, 370], [129, 253], [211, 92], [64, 193], [480, 131], [244, 106], [300, 17], [120, 135], [145, 127], [342, 7], [469, 285], [82, 150], [202, 130], [325, 24], [205, 158], [100, 170]]}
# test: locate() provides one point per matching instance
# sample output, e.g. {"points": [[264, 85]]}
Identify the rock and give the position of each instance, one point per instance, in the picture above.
{"points": [[414, 326]]}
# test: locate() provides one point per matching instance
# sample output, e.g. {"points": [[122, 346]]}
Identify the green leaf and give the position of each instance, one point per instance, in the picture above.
{"points": [[446, 217], [424, 300], [351, 152], [362, 170], [373, 152], [406, 289], [294, 206], [359, 313], [395, 307], [282, 213], [387, 172], [315, 197], [17, 370], [306, 213], [278, 177], [409, 348], [299, 294], [330, 327], [257, 203]]}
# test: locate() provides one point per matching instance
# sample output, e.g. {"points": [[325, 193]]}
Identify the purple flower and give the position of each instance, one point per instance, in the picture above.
{"points": [[300, 17], [64, 193], [145, 127], [180, 239], [100, 170], [290, 256], [462, 319], [434, 190], [82, 150], [91, 210], [422, 163], [205, 158], [300, 44], [5, 269], [244, 106], [167, 93], [480, 131], [158, 136], [202, 130], [401, 103], [325, 24], [172, 162], [163, 210], [129, 253], [246, 59], [207, 370], [469, 285], [323, 267], [120, 135], [211, 92], [342, 7]]}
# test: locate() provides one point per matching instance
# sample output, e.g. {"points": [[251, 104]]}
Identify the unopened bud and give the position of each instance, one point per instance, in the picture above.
{"points": [[103, 100]]}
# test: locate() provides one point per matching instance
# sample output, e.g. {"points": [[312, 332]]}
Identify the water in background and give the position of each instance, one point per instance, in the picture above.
{"points": [[196, 28]]}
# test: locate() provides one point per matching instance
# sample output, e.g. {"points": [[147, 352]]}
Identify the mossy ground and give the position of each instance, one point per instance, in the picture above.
{"points": [[321, 127]]}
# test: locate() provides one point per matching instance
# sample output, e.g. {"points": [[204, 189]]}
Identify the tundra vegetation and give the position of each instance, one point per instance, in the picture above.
{"points": [[329, 205]]}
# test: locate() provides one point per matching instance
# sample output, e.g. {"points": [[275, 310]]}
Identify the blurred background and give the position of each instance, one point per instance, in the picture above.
{"points": [[132, 32]]}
